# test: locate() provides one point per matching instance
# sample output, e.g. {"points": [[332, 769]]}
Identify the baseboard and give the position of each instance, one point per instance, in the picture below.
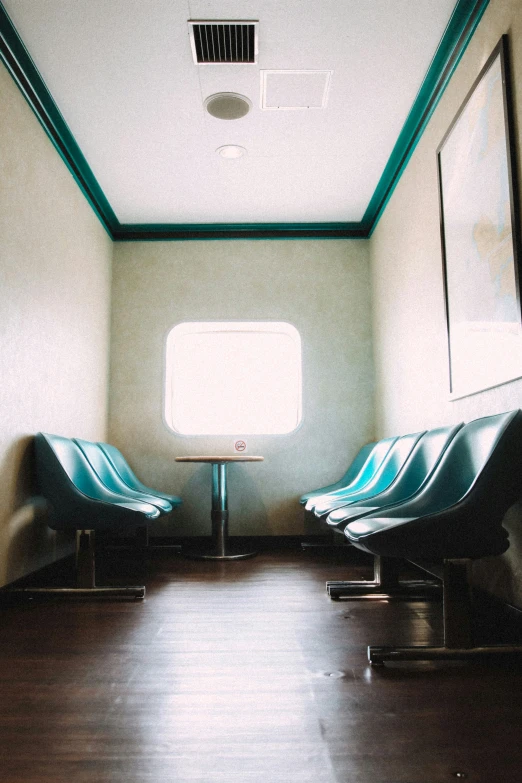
{"points": [[259, 543]]}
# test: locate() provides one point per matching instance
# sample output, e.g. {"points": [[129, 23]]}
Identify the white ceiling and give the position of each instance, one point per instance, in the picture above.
{"points": [[123, 76]]}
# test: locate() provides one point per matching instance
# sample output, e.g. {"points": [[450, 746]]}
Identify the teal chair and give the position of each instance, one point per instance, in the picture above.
{"points": [[78, 500], [123, 469], [108, 475], [366, 473], [383, 477], [350, 475], [454, 519], [422, 461]]}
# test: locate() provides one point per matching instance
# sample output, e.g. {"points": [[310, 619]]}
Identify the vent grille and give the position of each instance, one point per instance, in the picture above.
{"points": [[223, 42]]}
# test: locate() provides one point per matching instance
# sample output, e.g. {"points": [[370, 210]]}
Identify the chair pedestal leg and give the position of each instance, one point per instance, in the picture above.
{"points": [[85, 563], [458, 625], [384, 585], [85, 577]]}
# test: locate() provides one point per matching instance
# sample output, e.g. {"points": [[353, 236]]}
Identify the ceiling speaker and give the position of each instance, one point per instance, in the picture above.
{"points": [[227, 105]]}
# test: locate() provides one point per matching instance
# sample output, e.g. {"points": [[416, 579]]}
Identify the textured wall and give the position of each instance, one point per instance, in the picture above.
{"points": [[54, 322], [322, 288], [412, 384]]}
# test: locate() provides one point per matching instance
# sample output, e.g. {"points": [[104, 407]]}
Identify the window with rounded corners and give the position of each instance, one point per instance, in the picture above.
{"points": [[233, 378]]}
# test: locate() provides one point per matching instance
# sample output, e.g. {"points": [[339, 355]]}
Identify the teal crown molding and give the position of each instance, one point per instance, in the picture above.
{"points": [[145, 231], [460, 29], [27, 77]]}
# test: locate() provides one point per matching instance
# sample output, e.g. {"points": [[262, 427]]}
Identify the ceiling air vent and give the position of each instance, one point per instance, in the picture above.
{"points": [[223, 42]]}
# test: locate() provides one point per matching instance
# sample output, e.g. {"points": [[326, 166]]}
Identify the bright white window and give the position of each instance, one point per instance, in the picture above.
{"points": [[233, 378]]}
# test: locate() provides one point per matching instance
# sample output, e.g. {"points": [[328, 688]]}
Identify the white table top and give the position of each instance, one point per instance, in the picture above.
{"points": [[222, 458]]}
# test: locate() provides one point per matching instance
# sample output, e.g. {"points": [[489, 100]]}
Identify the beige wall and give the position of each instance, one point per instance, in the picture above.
{"points": [[322, 288], [54, 327], [407, 289], [54, 322]]}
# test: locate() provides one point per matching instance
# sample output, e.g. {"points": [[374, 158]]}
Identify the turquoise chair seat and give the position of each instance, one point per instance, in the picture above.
{"points": [[350, 475], [371, 464], [422, 461], [108, 474], [459, 511], [383, 477], [125, 472], [77, 497], [454, 519], [79, 501]]}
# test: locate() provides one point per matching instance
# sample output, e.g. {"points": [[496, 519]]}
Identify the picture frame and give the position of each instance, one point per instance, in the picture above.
{"points": [[480, 235]]}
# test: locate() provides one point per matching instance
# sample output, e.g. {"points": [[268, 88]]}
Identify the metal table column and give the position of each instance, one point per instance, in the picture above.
{"points": [[220, 548]]}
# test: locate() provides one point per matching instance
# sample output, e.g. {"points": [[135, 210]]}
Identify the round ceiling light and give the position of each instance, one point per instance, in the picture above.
{"points": [[231, 151], [227, 105]]}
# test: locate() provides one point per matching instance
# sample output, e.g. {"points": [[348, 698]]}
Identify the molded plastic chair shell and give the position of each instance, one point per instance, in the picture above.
{"points": [[123, 469], [365, 475], [388, 471], [459, 511], [77, 497], [419, 466], [348, 477], [108, 474]]}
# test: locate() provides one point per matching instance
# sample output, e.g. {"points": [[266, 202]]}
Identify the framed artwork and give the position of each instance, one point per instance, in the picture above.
{"points": [[481, 235]]}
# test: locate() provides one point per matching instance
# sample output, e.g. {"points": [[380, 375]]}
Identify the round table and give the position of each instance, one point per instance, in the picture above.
{"points": [[220, 547]]}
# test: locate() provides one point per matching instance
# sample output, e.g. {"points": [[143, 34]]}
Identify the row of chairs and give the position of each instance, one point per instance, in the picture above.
{"points": [[89, 488], [434, 498]]}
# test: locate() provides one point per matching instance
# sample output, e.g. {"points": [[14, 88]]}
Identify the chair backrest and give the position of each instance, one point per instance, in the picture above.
{"points": [[122, 467], [387, 472], [484, 459], [108, 474], [365, 475], [64, 460], [352, 472], [422, 461]]}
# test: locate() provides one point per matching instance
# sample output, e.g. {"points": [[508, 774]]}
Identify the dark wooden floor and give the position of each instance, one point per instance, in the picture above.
{"points": [[245, 672]]}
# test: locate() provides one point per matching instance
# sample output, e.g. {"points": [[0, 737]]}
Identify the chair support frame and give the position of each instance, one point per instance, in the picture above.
{"points": [[459, 642], [385, 585], [85, 577]]}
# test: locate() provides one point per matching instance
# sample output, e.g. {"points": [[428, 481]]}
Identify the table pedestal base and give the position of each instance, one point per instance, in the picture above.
{"points": [[220, 547], [209, 552]]}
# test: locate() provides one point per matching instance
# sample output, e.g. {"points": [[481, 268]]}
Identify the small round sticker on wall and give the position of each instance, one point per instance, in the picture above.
{"points": [[240, 445]]}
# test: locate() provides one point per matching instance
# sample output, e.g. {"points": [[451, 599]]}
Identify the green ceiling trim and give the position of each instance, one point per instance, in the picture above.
{"points": [[460, 29], [143, 232], [463, 23], [26, 75]]}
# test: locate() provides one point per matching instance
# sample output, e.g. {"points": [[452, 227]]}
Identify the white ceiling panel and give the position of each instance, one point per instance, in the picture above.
{"points": [[122, 74]]}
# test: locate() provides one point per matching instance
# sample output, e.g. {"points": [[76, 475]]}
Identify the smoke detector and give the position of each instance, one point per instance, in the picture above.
{"points": [[227, 105], [231, 151]]}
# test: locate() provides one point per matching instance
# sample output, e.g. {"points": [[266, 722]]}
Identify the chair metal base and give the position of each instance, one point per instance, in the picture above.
{"points": [[379, 655], [404, 591], [385, 585], [78, 592], [85, 577], [459, 643]]}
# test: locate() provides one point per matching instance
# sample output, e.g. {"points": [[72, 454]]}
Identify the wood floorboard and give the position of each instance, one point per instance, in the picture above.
{"points": [[245, 672]]}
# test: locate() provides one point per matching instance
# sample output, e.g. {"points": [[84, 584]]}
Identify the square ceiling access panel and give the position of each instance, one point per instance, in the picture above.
{"points": [[294, 89]]}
